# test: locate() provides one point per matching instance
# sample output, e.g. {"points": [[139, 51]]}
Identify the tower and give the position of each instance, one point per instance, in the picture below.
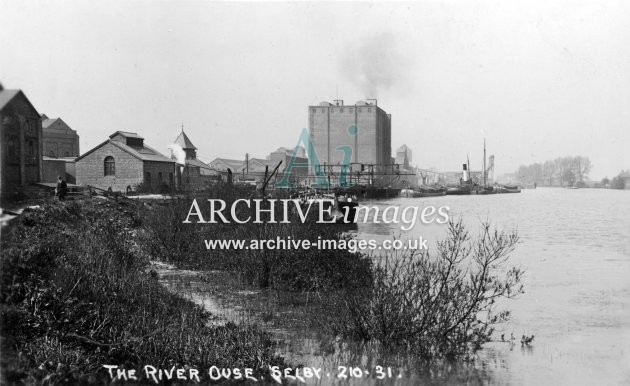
{"points": [[185, 143]]}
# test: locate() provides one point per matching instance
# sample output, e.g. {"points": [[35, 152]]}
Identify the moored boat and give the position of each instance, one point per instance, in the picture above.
{"points": [[508, 189]]}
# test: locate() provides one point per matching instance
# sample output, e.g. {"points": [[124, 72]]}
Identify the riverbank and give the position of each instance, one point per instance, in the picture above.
{"points": [[79, 292], [76, 296]]}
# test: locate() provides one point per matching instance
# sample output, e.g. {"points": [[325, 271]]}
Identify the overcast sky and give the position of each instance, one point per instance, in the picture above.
{"points": [[537, 79]]}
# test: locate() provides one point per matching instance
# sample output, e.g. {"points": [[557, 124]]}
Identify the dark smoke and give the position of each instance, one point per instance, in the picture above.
{"points": [[375, 63]]}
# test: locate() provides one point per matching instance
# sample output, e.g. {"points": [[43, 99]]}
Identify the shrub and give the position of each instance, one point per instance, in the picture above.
{"points": [[167, 237], [440, 306], [75, 296]]}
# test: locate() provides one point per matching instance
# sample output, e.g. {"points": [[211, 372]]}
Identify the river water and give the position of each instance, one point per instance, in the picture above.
{"points": [[575, 249]]}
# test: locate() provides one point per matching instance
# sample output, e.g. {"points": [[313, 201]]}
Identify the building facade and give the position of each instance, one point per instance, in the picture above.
{"points": [[125, 163], [403, 156], [363, 127], [59, 139], [20, 142]]}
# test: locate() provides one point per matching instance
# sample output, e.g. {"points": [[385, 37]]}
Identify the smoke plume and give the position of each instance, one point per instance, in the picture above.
{"points": [[178, 152], [376, 63]]}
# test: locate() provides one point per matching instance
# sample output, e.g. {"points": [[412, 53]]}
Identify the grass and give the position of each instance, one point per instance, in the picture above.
{"points": [[166, 236], [75, 296]]}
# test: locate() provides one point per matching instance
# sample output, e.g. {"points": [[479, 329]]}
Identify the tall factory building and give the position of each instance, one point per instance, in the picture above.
{"points": [[364, 127]]}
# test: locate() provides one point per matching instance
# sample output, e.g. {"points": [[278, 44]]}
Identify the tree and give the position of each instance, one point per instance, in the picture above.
{"points": [[582, 166], [549, 172]]}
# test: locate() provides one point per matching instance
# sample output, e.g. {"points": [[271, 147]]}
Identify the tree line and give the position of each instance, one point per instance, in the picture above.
{"points": [[562, 171]]}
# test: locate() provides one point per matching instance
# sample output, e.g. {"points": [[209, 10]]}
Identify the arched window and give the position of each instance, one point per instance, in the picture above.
{"points": [[110, 166]]}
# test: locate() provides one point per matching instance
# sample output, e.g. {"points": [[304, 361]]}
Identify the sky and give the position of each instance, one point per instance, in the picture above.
{"points": [[536, 79]]}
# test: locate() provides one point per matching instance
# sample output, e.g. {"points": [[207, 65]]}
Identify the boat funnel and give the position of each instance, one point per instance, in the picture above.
{"points": [[465, 174]]}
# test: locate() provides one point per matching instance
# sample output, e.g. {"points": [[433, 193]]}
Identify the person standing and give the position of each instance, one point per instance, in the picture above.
{"points": [[62, 189]]}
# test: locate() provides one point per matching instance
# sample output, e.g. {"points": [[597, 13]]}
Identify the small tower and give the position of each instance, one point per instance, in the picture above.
{"points": [[183, 141]]}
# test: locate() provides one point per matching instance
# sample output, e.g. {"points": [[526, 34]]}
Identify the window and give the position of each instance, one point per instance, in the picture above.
{"points": [[160, 177], [110, 166], [13, 149], [30, 147], [147, 178]]}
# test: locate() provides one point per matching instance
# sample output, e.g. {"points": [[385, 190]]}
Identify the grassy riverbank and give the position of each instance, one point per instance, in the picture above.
{"points": [[76, 296], [77, 292]]}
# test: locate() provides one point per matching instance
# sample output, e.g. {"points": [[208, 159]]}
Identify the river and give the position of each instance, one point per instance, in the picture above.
{"points": [[575, 249]]}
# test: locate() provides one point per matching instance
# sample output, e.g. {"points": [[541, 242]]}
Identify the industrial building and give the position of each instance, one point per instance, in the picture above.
{"points": [[20, 143], [61, 147], [125, 163], [363, 127]]}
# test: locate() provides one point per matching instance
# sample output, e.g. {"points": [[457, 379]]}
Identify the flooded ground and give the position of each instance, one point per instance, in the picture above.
{"points": [[575, 248]]}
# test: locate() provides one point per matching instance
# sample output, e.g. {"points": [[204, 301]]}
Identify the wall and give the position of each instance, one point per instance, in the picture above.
{"points": [[90, 169], [53, 168], [155, 168], [20, 144], [60, 140]]}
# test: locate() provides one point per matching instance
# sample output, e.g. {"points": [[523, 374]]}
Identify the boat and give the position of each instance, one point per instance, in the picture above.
{"points": [[465, 183], [423, 192], [478, 189], [459, 190], [346, 209], [508, 189]]}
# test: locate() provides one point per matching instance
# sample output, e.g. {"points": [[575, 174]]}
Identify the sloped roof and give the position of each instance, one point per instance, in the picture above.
{"points": [[126, 134], [144, 153], [7, 96], [183, 141], [198, 163], [233, 164], [47, 122]]}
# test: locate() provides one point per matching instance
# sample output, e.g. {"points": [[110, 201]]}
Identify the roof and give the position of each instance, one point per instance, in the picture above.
{"points": [[126, 134], [144, 153], [233, 164], [196, 162], [183, 141], [7, 96], [47, 122]]}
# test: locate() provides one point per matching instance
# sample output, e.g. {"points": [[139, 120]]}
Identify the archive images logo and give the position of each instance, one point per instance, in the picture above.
{"points": [[321, 179]]}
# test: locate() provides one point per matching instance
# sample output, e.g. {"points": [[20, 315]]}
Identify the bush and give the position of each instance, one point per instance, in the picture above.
{"points": [[435, 307], [75, 296], [167, 237]]}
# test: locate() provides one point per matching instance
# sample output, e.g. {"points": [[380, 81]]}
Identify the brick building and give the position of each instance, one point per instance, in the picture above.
{"points": [[20, 142], [61, 147], [59, 139], [124, 162]]}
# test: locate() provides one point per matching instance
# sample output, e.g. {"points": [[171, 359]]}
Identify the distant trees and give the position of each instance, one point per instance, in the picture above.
{"points": [[560, 171], [619, 182]]}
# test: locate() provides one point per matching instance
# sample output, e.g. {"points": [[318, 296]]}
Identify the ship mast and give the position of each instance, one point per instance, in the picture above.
{"points": [[484, 163]]}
